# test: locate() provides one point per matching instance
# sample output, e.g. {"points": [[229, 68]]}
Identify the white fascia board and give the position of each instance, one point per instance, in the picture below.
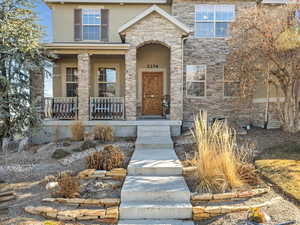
{"points": [[86, 45], [148, 11], [281, 2], [109, 1]]}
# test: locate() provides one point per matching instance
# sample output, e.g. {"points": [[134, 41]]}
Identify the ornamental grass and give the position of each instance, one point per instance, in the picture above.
{"points": [[215, 156]]}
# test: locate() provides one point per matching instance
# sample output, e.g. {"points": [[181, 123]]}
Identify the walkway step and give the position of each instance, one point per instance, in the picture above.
{"points": [[155, 162], [155, 189], [154, 131], [161, 142], [155, 222], [165, 210]]}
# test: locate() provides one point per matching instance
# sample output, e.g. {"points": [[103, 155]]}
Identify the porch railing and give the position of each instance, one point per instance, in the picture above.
{"points": [[61, 108], [106, 108]]}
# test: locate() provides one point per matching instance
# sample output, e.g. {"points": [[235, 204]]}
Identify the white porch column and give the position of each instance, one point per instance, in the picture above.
{"points": [[130, 84], [83, 86]]}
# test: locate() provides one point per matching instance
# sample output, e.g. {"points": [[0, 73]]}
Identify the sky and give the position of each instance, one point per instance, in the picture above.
{"points": [[45, 19]]}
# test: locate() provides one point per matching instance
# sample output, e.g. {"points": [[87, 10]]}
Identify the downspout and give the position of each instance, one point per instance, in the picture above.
{"points": [[182, 72]]}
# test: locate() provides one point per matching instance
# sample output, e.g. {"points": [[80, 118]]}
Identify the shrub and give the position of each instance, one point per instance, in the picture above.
{"points": [[109, 158], [215, 156], [104, 133], [87, 144], [76, 150], [59, 154], [69, 186], [77, 131]]}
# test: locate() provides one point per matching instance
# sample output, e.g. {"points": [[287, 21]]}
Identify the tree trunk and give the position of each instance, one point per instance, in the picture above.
{"points": [[290, 109], [5, 106]]}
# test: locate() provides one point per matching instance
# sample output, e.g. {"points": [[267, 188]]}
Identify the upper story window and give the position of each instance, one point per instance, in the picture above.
{"points": [[213, 21], [91, 23]]}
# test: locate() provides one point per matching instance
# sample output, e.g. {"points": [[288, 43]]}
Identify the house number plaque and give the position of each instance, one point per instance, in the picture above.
{"points": [[151, 66]]}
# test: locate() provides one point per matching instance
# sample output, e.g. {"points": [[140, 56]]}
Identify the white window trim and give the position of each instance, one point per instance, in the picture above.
{"points": [[63, 72], [82, 25], [195, 81], [97, 82], [214, 21], [71, 82]]}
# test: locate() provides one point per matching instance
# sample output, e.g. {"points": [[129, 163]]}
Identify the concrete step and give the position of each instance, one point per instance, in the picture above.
{"points": [[155, 189], [154, 131], [155, 222], [154, 162], [164, 142], [166, 210]]}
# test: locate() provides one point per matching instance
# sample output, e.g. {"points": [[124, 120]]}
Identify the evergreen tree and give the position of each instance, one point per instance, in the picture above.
{"points": [[20, 54]]}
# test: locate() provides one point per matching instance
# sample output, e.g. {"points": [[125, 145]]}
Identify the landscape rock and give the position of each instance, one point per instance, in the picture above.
{"points": [[5, 144], [51, 185], [24, 144], [109, 215]]}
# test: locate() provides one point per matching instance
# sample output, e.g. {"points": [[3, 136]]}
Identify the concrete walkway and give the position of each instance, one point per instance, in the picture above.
{"points": [[154, 192]]}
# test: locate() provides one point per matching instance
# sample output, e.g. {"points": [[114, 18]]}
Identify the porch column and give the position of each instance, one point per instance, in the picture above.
{"points": [[176, 82], [130, 84], [37, 89], [83, 86]]}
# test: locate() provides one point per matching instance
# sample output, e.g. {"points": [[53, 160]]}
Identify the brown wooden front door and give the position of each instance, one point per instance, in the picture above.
{"points": [[152, 93]]}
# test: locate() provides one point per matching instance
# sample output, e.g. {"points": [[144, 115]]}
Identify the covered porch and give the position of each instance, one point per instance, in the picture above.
{"points": [[142, 77]]}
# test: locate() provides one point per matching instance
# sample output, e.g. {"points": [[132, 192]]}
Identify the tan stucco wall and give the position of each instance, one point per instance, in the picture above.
{"points": [[153, 54], [59, 87], [59, 73], [63, 18]]}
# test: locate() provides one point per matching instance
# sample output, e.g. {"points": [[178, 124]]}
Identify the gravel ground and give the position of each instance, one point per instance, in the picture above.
{"points": [[282, 210], [25, 171]]}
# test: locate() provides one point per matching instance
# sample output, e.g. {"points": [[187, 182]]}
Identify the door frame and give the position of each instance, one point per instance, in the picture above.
{"points": [[150, 70]]}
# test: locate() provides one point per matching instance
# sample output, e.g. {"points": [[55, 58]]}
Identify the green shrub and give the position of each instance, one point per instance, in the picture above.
{"points": [[60, 153]]}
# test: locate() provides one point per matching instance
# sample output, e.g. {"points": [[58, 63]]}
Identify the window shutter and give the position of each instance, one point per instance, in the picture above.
{"points": [[78, 24], [104, 24]]}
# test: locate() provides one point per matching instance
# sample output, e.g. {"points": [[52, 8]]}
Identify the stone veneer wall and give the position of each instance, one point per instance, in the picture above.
{"points": [[37, 89], [154, 29], [83, 86], [212, 53]]}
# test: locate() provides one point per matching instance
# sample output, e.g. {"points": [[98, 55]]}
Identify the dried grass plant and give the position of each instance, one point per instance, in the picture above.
{"points": [[215, 158], [109, 158], [77, 131], [69, 186], [104, 133]]}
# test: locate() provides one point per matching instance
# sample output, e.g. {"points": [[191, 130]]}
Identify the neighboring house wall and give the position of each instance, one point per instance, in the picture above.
{"points": [[211, 53], [63, 18]]}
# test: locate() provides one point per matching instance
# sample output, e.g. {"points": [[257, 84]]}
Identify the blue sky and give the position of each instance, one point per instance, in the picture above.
{"points": [[45, 19]]}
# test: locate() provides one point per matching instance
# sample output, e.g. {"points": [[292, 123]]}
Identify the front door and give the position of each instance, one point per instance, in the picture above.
{"points": [[152, 93]]}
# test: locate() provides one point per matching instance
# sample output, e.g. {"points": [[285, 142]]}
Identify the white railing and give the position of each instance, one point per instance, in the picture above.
{"points": [[106, 108], [61, 108]]}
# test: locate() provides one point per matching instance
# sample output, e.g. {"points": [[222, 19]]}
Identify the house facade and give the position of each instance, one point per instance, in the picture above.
{"points": [[137, 60]]}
